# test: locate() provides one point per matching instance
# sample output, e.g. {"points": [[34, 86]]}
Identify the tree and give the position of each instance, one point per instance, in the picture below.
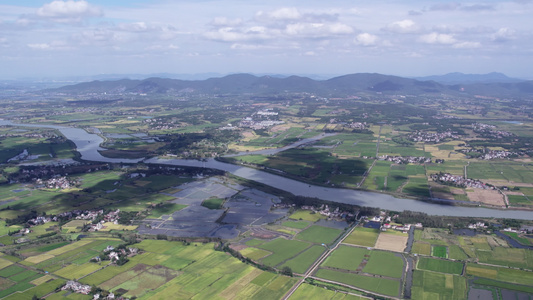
{"points": [[286, 271]]}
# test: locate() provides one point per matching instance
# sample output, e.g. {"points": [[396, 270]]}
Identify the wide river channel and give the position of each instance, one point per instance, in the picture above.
{"points": [[88, 145]]}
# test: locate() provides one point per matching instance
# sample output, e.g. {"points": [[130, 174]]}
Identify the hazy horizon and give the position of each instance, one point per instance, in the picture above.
{"points": [[52, 39]]}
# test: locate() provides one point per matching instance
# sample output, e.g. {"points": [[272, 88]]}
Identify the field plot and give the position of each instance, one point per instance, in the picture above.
{"points": [[489, 197], [383, 286], [437, 286], [392, 241], [75, 254], [14, 278], [254, 253], [346, 257], [502, 274], [439, 251], [421, 248], [307, 291], [319, 235], [362, 236], [306, 215], [282, 250], [503, 256], [74, 271], [295, 224], [303, 261], [440, 265], [385, 264]]}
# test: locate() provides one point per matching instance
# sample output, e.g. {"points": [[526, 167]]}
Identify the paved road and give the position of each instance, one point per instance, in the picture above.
{"points": [[319, 261]]}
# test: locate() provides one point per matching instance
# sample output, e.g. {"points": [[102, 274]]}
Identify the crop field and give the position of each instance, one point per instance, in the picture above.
{"points": [[304, 260], [503, 256], [500, 273], [392, 241], [76, 271], [41, 290], [430, 285], [440, 265], [385, 264], [384, 286], [417, 186], [520, 200], [295, 224], [254, 253], [308, 291], [376, 178], [77, 253], [306, 215], [15, 278], [346, 257], [456, 252], [4, 263], [282, 250], [319, 235], [362, 236], [439, 251]]}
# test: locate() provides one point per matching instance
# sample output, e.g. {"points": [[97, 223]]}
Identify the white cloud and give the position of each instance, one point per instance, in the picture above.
{"points": [[239, 46], [467, 45], [43, 46], [68, 11], [55, 45], [365, 39], [225, 22], [230, 34], [503, 35], [404, 26], [316, 30], [285, 13], [438, 38]]}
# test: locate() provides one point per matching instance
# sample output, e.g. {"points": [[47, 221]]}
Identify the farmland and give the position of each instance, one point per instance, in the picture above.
{"points": [[401, 145], [363, 237]]}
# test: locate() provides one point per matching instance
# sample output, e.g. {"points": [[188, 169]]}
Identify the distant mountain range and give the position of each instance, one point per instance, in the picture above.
{"points": [[461, 78], [493, 84]]}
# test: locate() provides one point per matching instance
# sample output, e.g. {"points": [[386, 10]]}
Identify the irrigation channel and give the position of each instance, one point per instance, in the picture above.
{"points": [[88, 144]]}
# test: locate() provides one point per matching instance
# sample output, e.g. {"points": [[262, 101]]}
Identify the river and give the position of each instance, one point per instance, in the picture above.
{"points": [[88, 145]]}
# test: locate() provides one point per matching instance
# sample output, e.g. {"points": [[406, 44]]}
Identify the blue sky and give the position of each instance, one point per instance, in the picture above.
{"points": [[406, 38]]}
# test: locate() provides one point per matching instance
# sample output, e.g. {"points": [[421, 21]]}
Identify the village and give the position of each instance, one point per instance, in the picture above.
{"points": [[432, 137], [459, 181]]}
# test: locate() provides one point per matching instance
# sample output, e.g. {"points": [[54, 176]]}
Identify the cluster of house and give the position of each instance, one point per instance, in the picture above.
{"points": [[386, 223], [432, 137], [42, 135], [85, 289], [60, 182], [489, 129], [77, 287], [403, 228], [116, 254], [260, 120], [358, 125], [249, 122], [325, 211], [492, 154], [459, 181], [112, 216], [90, 215], [405, 159], [478, 225], [162, 124]]}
